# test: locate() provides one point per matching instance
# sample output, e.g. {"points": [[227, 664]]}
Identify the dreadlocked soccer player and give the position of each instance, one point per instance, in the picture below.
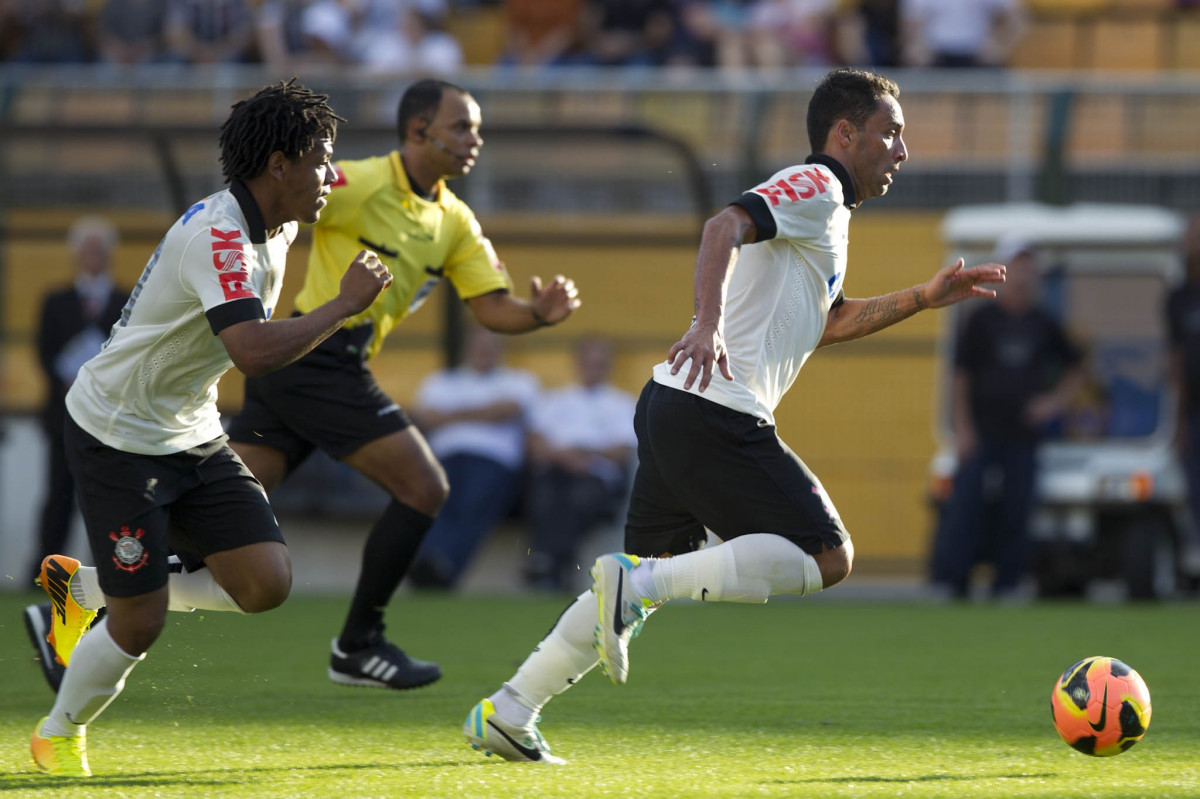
{"points": [[143, 435]]}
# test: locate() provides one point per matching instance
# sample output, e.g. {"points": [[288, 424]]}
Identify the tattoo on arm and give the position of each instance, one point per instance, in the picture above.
{"points": [[918, 300], [879, 309]]}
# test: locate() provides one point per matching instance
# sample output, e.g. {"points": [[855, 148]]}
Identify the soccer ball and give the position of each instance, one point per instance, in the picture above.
{"points": [[1101, 706]]}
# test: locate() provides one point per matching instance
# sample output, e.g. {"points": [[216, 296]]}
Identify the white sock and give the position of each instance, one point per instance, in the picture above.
{"points": [[557, 663], [198, 589], [187, 591], [748, 568], [97, 675], [85, 588]]}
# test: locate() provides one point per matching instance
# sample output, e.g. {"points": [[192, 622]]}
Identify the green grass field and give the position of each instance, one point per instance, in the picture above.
{"points": [[795, 698]]}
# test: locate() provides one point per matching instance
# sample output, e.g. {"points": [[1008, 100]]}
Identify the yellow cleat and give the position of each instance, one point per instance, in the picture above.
{"points": [[60, 755], [70, 620]]}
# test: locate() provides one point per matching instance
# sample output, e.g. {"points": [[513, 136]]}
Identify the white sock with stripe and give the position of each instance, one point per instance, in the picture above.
{"points": [[557, 663], [97, 675], [198, 590], [187, 591], [748, 568]]}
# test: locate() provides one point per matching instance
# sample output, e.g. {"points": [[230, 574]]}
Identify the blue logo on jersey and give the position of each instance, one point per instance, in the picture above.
{"points": [[834, 282], [192, 211]]}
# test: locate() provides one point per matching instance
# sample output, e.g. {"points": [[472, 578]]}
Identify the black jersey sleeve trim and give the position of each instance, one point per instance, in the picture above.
{"points": [[230, 313], [839, 299], [760, 215]]}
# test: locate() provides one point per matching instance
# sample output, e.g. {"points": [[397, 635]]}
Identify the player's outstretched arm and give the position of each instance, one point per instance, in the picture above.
{"points": [[954, 283], [501, 312], [704, 342], [260, 346]]}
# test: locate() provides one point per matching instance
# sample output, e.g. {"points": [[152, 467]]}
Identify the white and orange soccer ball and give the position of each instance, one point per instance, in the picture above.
{"points": [[1101, 706]]}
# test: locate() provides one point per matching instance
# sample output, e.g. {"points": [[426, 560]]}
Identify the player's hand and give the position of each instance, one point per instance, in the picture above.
{"points": [[363, 281], [555, 301], [705, 346], [955, 283]]}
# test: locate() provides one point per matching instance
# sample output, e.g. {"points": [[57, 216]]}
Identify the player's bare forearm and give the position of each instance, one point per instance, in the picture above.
{"points": [[720, 244], [501, 312], [954, 283], [259, 346], [855, 318]]}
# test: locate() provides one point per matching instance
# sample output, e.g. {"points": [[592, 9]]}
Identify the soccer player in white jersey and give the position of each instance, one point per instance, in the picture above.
{"points": [[768, 292], [144, 438]]}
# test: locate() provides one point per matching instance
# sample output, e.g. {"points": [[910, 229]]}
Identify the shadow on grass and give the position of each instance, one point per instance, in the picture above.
{"points": [[925, 778], [199, 778]]}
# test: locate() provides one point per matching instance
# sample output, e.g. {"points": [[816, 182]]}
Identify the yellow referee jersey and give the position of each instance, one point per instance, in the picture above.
{"points": [[372, 206]]}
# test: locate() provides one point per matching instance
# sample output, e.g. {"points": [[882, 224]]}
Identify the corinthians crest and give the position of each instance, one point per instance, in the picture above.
{"points": [[128, 553]]}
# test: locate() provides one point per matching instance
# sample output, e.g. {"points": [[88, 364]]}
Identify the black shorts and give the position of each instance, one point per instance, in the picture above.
{"points": [[327, 400], [702, 465], [137, 509]]}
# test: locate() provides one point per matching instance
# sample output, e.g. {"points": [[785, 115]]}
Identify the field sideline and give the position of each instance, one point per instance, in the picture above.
{"points": [[796, 698]]}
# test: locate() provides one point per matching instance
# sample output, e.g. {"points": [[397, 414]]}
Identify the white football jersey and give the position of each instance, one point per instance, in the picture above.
{"points": [[152, 389], [782, 286]]}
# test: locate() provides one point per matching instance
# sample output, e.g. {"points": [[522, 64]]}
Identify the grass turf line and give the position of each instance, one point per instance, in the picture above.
{"points": [[789, 699]]}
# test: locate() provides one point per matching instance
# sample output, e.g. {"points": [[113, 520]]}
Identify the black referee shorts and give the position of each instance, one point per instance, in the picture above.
{"points": [[327, 400], [701, 465], [137, 509]]}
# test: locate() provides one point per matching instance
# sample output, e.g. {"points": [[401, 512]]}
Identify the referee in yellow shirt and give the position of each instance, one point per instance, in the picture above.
{"points": [[398, 206]]}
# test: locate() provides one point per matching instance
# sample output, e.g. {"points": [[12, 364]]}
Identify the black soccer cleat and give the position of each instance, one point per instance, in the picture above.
{"points": [[37, 624], [381, 664]]}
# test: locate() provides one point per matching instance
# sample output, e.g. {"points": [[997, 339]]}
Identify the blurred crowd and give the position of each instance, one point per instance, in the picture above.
{"points": [[417, 35]]}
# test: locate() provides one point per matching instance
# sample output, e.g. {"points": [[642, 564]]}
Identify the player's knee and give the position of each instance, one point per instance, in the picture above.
{"points": [[269, 589], [264, 597], [134, 626], [428, 493], [835, 564]]}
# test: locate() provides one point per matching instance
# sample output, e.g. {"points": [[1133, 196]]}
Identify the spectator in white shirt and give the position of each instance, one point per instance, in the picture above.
{"points": [[475, 419], [582, 448]]}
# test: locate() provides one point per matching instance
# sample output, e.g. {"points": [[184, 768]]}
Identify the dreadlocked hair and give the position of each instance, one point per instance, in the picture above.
{"points": [[285, 117]]}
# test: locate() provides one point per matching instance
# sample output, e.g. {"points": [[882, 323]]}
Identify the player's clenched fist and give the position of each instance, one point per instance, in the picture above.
{"points": [[366, 277]]}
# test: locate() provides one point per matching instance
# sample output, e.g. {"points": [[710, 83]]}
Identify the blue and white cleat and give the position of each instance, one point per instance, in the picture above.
{"points": [[622, 612], [488, 733]]}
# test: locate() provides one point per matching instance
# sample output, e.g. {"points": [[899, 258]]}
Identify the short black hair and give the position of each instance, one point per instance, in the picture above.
{"points": [[845, 93], [285, 117], [421, 101]]}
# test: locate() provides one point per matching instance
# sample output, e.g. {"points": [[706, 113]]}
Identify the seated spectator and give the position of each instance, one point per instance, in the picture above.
{"points": [[327, 28], [868, 33], [631, 32], [582, 448], [474, 417], [543, 33], [131, 31], [283, 44], [415, 43], [785, 33], [47, 31], [209, 31], [954, 33], [761, 33], [382, 36]]}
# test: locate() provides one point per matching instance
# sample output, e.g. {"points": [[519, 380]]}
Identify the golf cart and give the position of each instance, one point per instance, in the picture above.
{"points": [[1110, 511]]}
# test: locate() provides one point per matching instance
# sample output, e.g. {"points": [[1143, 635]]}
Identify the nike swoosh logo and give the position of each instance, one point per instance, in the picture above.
{"points": [[532, 754], [56, 586], [1103, 712], [703, 594], [618, 625]]}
